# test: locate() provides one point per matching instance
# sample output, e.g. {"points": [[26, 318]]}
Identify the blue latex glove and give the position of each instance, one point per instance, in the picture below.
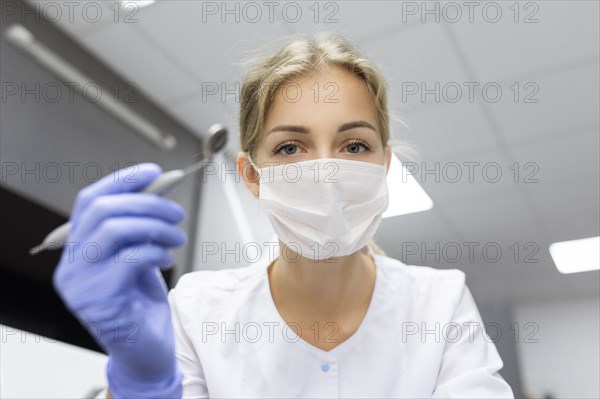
{"points": [[109, 277]]}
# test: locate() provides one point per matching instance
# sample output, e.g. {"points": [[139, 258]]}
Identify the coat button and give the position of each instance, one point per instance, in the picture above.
{"points": [[325, 367]]}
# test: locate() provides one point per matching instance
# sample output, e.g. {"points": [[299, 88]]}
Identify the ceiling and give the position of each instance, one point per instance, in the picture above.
{"points": [[545, 125]]}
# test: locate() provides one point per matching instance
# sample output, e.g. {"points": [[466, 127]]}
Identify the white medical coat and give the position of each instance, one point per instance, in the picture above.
{"points": [[422, 336]]}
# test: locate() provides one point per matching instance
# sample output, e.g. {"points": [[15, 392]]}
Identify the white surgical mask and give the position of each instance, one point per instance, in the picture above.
{"points": [[325, 207]]}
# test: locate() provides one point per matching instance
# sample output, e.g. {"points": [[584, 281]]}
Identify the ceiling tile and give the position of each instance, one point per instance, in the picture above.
{"points": [[569, 206], [558, 157], [130, 54], [447, 129], [565, 31], [213, 49], [504, 216], [199, 115], [565, 100], [468, 177], [413, 61], [358, 20], [80, 18]]}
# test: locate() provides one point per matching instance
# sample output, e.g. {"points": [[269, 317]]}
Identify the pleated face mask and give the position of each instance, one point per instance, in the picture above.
{"points": [[326, 207]]}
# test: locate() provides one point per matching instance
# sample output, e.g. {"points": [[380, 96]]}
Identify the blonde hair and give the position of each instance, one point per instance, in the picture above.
{"points": [[302, 56]]}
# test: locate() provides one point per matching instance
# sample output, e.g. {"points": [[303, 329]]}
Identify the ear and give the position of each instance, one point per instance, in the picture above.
{"points": [[248, 173], [388, 157]]}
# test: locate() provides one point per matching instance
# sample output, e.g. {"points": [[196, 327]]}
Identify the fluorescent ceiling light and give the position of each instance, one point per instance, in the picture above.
{"points": [[406, 195], [23, 39], [139, 4], [576, 255]]}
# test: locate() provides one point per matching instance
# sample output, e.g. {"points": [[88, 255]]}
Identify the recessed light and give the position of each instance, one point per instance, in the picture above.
{"points": [[137, 3], [406, 194], [576, 255]]}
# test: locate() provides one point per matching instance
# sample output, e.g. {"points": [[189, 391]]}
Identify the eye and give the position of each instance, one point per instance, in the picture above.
{"points": [[355, 146], [288, 148]]}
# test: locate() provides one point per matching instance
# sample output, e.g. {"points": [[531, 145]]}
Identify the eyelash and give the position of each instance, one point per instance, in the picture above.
{"points": [[361, 141], [292, 142], [285, 143]]}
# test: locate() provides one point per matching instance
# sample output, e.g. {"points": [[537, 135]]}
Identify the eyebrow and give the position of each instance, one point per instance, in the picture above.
{"points": [[302, 129]]}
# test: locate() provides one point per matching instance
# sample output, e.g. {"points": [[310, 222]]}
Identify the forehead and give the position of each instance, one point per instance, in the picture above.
{"points": [[322, 95]]}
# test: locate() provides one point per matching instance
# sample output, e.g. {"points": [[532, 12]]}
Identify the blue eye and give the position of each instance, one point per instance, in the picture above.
{"points": [[289, 148], [355, 147]]}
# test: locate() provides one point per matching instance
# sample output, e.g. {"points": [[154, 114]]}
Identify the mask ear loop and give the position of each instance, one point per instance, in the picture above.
{"points": [[256, 168]]}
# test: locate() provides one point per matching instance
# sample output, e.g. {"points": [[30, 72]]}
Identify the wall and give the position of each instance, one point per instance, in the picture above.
{"points": [[52, 144], [565, 360]]}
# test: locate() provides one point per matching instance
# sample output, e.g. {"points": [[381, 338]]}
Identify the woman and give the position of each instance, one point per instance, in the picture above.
{"points": [[327, 316]]}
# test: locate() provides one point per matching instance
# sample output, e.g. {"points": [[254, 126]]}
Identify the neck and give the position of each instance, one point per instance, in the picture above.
{"points": [[328, 288]]}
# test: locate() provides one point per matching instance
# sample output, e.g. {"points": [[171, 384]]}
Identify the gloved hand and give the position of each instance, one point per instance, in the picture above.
{"points": [[108, 277]]}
